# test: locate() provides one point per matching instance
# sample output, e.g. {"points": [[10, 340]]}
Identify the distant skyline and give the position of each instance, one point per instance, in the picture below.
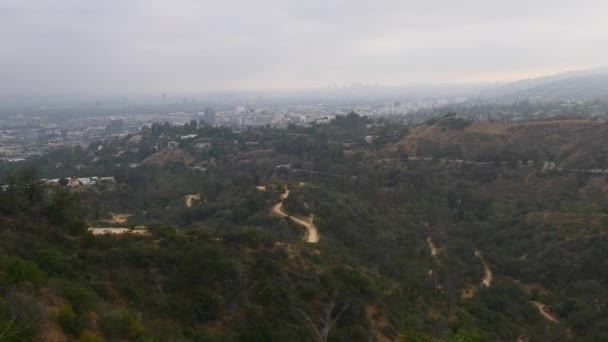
{"points": [[189, 46]]}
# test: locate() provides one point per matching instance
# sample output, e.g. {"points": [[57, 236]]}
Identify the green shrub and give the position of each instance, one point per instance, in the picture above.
{"points": [[88, 336], [469, 336], [120, 323], [51, 261], [76, 227], [70, 323], [19, 270], [80, 296], [20, 327]]}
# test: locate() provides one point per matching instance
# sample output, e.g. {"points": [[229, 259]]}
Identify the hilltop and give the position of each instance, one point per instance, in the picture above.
{"points": [[583, 85]]}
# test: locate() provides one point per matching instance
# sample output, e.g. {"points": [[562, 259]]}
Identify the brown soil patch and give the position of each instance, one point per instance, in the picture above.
{"points": [[379, 324], [165, 156], [190, 199]]}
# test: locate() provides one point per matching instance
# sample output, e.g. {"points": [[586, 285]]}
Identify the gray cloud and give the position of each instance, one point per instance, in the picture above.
{"points": [[143, 46]]}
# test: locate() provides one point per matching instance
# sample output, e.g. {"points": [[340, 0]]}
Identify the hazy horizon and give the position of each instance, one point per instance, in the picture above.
{"points": [[151, 47]]}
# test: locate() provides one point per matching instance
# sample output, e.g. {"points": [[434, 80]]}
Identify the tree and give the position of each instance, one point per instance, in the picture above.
{"points": [[469, 336], [63, 181], [18, 317], [326, 322]]}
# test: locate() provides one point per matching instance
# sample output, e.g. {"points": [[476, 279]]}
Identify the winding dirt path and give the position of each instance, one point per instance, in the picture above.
{"points": [[542, 308], [189, 199], [486, 281], [434, 253], [312, 234], [488, 276], [434, 249]]}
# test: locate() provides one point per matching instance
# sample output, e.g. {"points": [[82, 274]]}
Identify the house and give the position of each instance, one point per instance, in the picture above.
{"points": [[86, 181], [370, 138], [323, 121], [73, 182], [52, 182], [202, 146], [189, 136]]}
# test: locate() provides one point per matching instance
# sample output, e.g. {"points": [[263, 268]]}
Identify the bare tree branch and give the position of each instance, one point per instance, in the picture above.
{"points": [[312, 324], [20, 309], [326, 322]]}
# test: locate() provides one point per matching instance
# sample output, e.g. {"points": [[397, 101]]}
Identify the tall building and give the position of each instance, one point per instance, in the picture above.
{"points": [[115, 126], [209, 116]]}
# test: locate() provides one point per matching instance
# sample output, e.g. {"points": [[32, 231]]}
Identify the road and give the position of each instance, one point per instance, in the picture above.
{"points": [[545, 165]]}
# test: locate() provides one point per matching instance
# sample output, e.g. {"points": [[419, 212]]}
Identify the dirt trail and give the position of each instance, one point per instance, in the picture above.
{"points": [[189, 199], [434, 249], [486, 281], [110, 230], [434, 253], [379, 323], [312, 234], [542, 308], [118, 218], [488, 277]]}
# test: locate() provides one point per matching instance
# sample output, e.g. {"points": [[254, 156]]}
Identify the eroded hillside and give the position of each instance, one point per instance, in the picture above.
{"points": [[570, 143]]}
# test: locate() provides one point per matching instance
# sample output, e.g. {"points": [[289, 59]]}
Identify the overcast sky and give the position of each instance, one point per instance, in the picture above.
{"points": [[152, 46]]}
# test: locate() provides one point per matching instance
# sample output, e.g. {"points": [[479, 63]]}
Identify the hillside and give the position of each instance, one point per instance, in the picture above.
{"points": [[166, 156], [578, 144], [313, 234], [578, 85]]}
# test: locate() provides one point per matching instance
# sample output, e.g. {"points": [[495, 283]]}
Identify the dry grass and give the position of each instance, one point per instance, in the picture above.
{"points": [[569, 141], [168, 156]]}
